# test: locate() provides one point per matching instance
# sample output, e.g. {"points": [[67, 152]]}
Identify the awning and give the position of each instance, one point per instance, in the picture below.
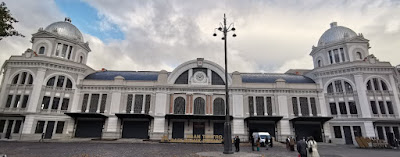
{"points": [[11, 115], [264, 118], [311, 119], [133, 115], [207, 117], [85, 115]]}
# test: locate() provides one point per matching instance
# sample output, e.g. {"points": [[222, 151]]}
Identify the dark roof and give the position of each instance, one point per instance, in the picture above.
{"points": [[272, 77], [128, 75]]}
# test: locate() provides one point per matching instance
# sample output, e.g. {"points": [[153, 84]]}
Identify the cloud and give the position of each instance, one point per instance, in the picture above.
{"points": [[272, 36]]}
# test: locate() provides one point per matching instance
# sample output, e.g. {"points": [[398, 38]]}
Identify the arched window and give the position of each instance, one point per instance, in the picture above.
{"points": [[81, 59], [338, 86], [179, 105], [199, 106], [51, 81], [330, 88], [348, 87], [219, 106], [15, 79], [69, 83], [369, 86], [384, 86], [359, 55], [319, 63], [41, 50]]}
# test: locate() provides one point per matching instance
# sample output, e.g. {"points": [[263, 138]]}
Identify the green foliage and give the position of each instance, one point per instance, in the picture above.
{"points": [[6, 21]]}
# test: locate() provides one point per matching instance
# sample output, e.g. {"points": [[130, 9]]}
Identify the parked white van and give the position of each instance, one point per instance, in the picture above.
{"points": [[263, 136]]}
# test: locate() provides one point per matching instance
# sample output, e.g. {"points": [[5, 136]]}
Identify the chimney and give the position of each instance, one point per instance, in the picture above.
{"points": [[333, 24]]}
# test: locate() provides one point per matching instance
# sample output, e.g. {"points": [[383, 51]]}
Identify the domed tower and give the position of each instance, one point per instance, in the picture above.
{"points": [[61, 40], [337, 45]]}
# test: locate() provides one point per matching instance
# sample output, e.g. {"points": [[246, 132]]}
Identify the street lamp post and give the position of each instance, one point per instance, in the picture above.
{"points": [[227, 124]]}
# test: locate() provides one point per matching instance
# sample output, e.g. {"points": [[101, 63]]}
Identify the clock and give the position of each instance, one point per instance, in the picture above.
{"points": [[200, 77]]}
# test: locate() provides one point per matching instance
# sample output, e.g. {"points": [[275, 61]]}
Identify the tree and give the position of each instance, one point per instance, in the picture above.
{"points": [[6, 21]]}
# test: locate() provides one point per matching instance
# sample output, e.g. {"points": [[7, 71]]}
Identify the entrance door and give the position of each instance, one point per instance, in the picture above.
{"points": [[135, 129], [307, 130], [89, 128], [49, 130], [9, 128], [347, 135], [199, 128], [178, 130], [219, 129]]}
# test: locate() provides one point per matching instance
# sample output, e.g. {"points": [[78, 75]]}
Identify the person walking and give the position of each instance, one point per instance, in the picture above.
{"points": [[267, 143], [252, 142], [258, 144], [312, 148], [291, 143], [237, 143], [287, 143], [302, 147]]}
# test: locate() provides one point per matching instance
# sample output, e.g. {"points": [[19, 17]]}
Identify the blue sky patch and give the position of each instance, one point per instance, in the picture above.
{"points": [[89, 21]]}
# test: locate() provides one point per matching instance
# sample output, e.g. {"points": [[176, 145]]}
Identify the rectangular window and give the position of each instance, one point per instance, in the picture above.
{"points": [[338, 131], [380, 133], [64, 51], [390, 107], [60, 81], [137, 108], [45, 102], [382, 107], [93, 103], [24, 101], [260, 105], [84, 102], [335, 52], [70, 52], [17, 126], [373, 107], [39, 127], [56, 101], [304, 106], [313, 106], [395, 131], [129, 103], [17, 101], [342, 54], [9, 99], [251, 106], [357, 131], [65, 103], [294, 104], [353, 107], [330, 57], [147, 104], [58, 49], [333, 108], [342, 107], [2, 123], [60, 127], [269, 106], [338, 86], [103, 103]]}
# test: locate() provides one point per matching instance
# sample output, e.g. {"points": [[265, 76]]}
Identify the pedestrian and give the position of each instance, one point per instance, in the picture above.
{"points": [[258, 144], [287, 143], [302, 147], [312, 148], [291, 143], [252, 142], [267, 142], [237, 143]]}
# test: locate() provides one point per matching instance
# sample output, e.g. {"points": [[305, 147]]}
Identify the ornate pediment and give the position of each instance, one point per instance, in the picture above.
{"points": [[359, 38]]}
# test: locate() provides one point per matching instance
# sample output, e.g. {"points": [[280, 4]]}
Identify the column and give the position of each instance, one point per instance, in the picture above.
{"points": [[298, 106], [115, 102], [98, 103], [37, 88], [255, 105], [75, 101], [265, 106], [171, 103], [322, 106], [309, 106], [88, 104], [283, 106], [274, 102], [144, 103], [188, 103], [3, 94], [133, 103], [362, 96]]}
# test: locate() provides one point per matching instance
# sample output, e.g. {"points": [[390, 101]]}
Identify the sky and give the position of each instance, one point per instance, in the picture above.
{"points": [[144, 35]]}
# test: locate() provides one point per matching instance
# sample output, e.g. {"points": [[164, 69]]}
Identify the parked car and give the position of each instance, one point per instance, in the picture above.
{"points": [[263, 137]]}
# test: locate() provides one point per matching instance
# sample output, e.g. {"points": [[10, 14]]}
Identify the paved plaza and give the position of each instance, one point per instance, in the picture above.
{"points": [[151, 149]]}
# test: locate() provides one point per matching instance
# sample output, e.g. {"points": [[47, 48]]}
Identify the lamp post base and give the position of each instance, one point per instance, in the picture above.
{"points": [[227, 138]]}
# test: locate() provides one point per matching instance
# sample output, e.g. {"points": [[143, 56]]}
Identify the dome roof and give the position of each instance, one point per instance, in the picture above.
{"points": [[65, 29], [335, 34]]}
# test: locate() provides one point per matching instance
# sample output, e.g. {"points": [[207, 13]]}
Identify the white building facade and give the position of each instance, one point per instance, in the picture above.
{"points": [[49, 90]]}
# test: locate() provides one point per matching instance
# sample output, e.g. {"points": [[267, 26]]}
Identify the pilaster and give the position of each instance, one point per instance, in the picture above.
{"points": [[37, 87]]}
